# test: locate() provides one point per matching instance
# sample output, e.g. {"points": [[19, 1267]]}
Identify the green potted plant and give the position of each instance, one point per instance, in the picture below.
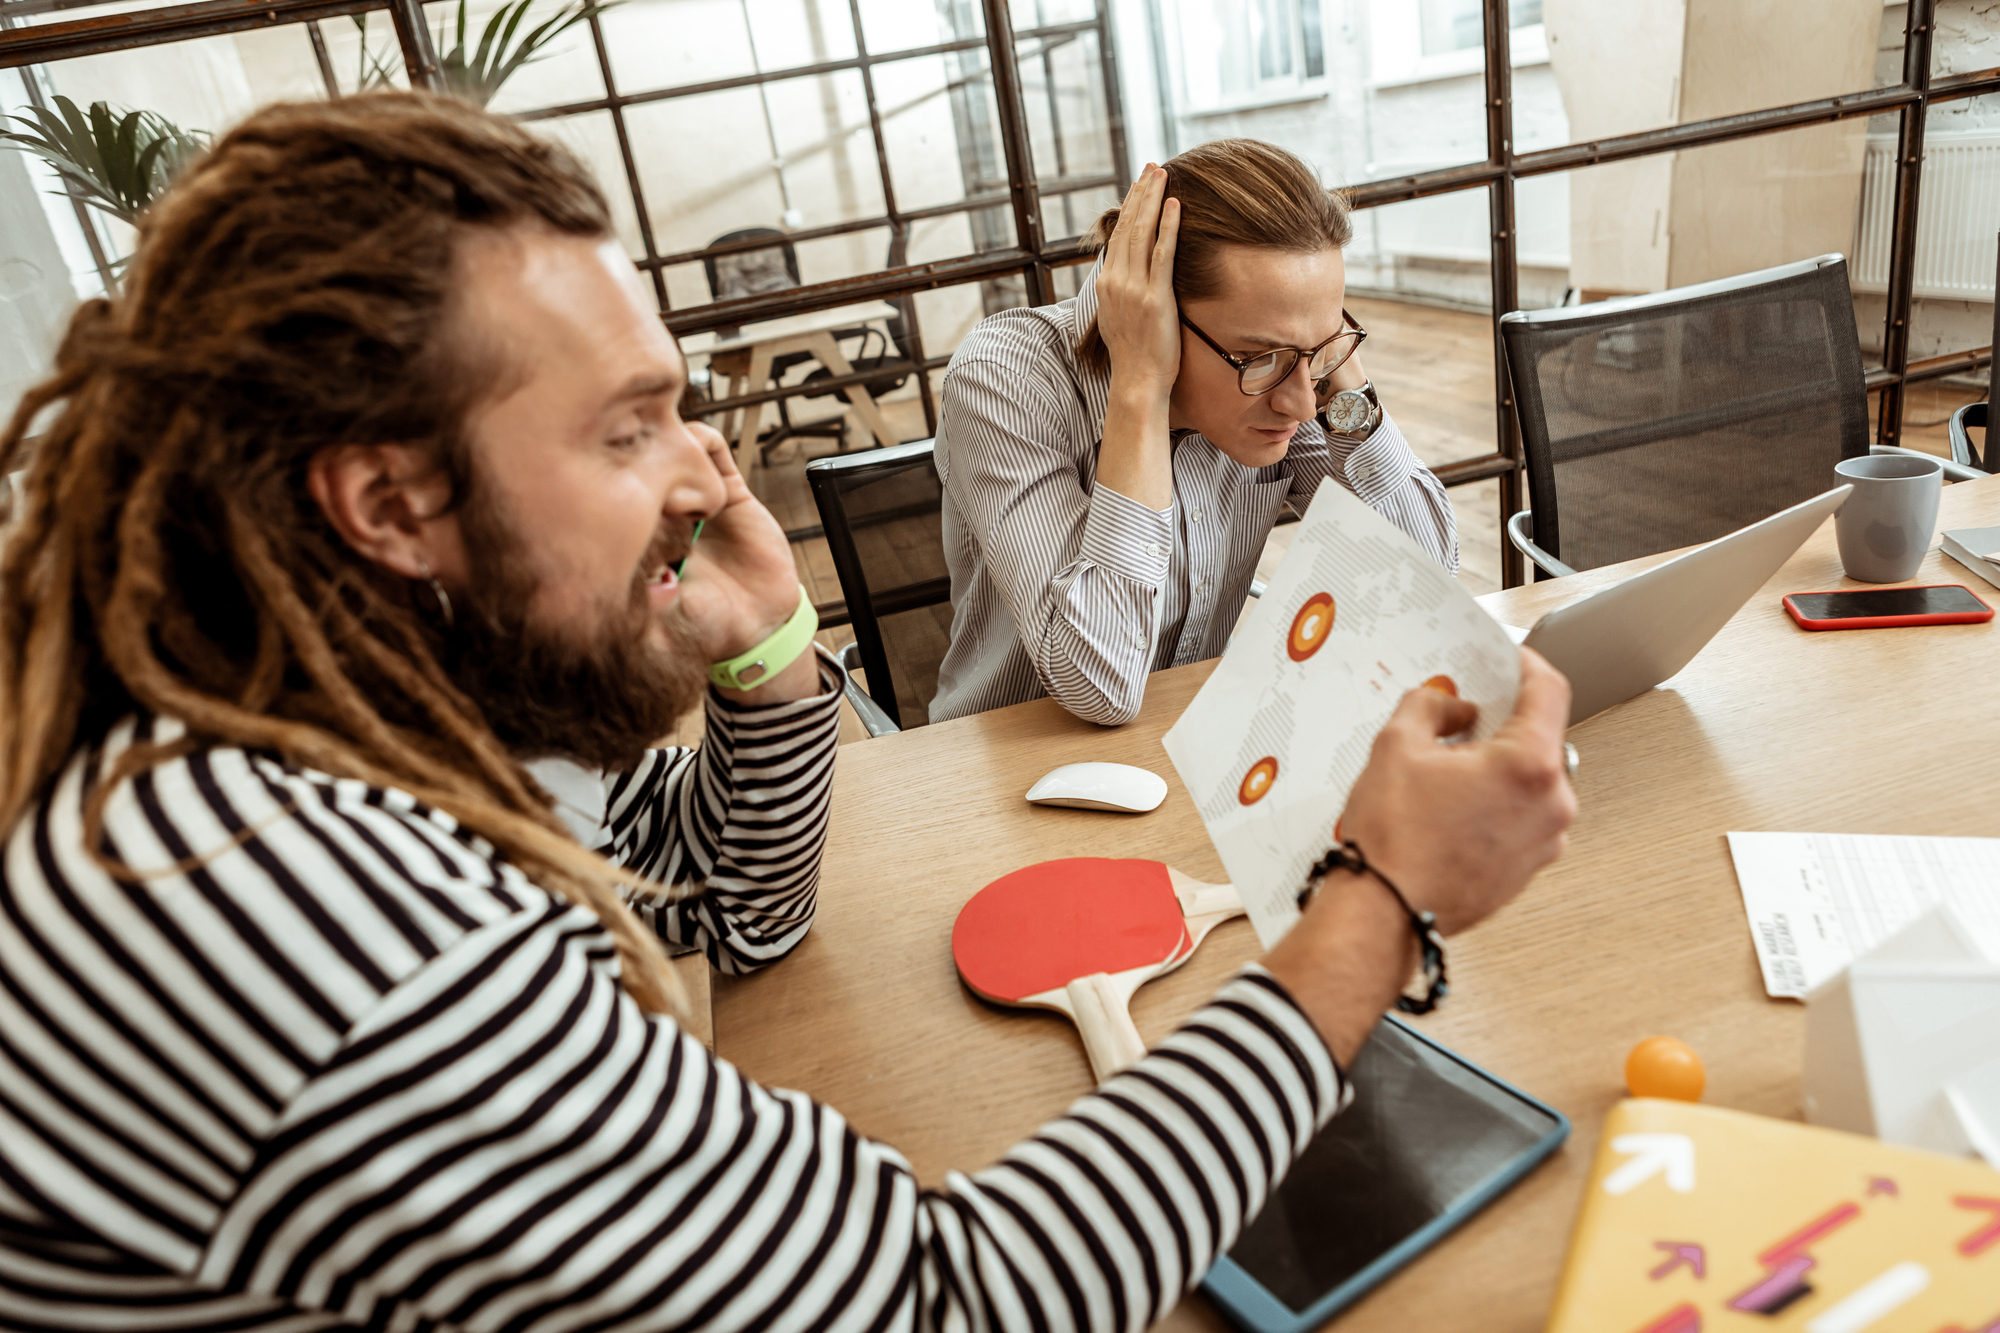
{"points": [[476, 75], [115, 161]]}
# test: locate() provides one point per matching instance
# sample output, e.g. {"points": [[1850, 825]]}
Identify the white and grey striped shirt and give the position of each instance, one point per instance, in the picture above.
{"points": [[328, 1061], [1061, 586]]}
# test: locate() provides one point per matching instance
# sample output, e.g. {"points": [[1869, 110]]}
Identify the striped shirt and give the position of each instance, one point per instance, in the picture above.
{"points": [[326, 1060], [1061, 586]]}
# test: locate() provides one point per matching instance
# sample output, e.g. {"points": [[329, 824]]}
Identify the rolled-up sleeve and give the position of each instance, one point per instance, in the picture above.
{"points": [[1081, 568], [744, 816], [1386, 475]]}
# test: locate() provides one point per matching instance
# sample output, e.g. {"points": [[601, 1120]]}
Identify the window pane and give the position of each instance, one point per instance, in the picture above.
{"points": [[941, 125], [1958, 216], [899, 25], [594, 139], [1076, 152], [1419, 279], [1041, 13], [1621, 69], [1360, 100], [1966, 39], [1927, 409], [666, 43]]}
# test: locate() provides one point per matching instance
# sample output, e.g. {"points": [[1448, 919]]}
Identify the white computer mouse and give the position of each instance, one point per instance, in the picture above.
{"points": [[1101, 787]]}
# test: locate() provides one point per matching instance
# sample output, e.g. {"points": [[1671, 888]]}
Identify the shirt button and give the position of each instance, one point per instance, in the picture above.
{"points": [[1195, 517]]}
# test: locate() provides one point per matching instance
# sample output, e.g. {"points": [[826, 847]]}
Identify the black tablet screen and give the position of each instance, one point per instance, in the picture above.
{"points": [[1424, 1130]]}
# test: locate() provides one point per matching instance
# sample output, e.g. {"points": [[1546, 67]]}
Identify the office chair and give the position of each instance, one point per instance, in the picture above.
{"points": [[1659, 421], [891, 354], [774, 268], [883, 512], [1978, 414]]}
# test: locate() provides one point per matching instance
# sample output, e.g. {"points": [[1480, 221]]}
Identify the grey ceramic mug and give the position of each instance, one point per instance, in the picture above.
{"points": [[1885, 526]]}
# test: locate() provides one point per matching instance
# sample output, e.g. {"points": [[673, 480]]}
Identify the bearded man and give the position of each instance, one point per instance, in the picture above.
{"points": [[312, 1014]]}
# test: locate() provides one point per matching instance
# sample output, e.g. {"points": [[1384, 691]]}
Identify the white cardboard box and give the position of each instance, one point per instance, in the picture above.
{"points": [[1905, 1044]]}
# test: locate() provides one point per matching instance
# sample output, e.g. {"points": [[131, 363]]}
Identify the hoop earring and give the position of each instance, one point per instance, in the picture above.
{"points": [[437, 591]]}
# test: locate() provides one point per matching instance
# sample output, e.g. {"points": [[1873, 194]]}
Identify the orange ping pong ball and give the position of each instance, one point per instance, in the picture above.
{"points": [[1665, 1067]]}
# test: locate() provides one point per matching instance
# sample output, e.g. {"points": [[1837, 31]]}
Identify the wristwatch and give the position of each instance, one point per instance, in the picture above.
{"points": [[1353, 414]]}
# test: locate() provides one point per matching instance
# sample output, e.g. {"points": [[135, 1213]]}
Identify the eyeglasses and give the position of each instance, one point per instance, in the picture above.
{"points": [[1260, 374]]}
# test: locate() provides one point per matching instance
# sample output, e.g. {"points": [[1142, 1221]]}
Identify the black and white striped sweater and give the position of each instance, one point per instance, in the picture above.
{"points": [[355, 1070]]}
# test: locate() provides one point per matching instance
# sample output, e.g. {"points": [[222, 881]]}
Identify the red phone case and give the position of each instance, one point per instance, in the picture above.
{"points": [[1887, 622]]}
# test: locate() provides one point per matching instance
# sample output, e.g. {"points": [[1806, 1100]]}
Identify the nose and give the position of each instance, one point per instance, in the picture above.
{"points": [[1295, 397], [695, 488]]}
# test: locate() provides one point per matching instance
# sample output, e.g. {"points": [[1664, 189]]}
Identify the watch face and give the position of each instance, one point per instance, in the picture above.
{"points": [[1349, 411]]}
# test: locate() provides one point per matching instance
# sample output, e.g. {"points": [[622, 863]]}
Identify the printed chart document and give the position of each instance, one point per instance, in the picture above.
{"points": [[1356, 616], [1818, 901]]}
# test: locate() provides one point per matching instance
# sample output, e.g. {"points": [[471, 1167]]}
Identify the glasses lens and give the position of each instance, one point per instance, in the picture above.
{"points": [[1334, 355], [1267, 371]]}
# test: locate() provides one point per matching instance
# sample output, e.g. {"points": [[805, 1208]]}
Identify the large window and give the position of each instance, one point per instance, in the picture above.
{"points": [[943, 155]]}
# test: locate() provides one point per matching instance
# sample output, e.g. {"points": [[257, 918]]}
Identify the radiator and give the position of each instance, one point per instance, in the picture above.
{"points": [[1958, 216]]}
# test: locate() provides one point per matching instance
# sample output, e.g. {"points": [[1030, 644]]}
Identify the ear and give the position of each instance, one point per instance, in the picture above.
{"points": [[389, 502]]}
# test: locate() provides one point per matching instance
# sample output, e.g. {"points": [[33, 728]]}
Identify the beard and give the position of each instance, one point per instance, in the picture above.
{"points": [[603, 701]]}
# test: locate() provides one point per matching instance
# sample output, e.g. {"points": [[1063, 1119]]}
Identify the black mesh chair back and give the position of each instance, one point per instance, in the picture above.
{"points": [[774, 268], [1655, 422], [883, 511]]}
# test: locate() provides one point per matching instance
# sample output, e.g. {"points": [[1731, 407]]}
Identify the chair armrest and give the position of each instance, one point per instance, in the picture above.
{"points": [[1961, 443], [1517, 532], [1953, 470], [872, 717]]}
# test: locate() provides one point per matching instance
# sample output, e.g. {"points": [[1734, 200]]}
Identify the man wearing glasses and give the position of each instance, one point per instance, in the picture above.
{"points": [[1113, 464]]}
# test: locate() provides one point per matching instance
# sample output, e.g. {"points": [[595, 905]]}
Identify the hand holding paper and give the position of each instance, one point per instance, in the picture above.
{"points": [[1355, 618]]}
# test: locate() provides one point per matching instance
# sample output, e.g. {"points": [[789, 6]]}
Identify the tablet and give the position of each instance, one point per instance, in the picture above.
{"points": [[1429, 1140]]}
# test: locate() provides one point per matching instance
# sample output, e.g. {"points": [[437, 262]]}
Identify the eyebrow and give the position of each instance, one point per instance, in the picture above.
{"points": [[645, 386]]}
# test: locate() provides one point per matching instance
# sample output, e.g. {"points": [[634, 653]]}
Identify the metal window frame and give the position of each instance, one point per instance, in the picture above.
{"points": [[1034, 257]]}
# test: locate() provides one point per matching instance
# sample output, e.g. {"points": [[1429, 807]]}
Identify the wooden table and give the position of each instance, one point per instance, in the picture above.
{"points": [[746, 361], [1638, 930]]}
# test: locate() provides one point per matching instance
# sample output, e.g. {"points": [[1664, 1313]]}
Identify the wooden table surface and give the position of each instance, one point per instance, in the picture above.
{"points": [[1639, 930]]}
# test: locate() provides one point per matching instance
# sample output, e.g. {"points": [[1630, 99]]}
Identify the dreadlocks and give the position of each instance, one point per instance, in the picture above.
{"points": [[290, 293]]}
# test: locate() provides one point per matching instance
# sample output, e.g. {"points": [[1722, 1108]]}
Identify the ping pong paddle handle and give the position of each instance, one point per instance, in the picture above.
{"points": [[1109, 1037]]}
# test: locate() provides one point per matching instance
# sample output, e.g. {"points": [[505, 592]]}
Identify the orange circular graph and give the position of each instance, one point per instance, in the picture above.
{"points": [[1257, 782], [1310, 626], [1444, 683]]}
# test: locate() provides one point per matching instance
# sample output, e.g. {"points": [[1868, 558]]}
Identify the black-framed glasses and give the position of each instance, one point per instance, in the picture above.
{"points": [[1257, 375]]}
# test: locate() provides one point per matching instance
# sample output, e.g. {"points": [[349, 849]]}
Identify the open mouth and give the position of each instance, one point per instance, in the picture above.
{"points": [[660, 570]]}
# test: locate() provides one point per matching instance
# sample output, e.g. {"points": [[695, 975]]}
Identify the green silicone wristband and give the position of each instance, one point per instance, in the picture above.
{"points": [[768, 658]]}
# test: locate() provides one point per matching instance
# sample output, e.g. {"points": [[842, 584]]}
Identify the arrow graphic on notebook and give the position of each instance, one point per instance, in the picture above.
{"points": [[1652, 1155], [1678, 1254]]}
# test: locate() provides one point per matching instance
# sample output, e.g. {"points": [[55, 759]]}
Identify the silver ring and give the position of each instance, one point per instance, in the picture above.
{"points": [[1569, 759]]}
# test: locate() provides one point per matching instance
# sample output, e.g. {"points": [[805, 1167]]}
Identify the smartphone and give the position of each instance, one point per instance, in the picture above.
{"points": [[1879, 608], [1430, 1140]]}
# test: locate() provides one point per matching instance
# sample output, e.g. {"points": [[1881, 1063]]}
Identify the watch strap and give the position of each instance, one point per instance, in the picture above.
{"points": [[748, 670]]}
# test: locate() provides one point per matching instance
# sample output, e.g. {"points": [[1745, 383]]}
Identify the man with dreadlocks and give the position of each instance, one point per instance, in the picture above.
{"points": [[312, 1014]]}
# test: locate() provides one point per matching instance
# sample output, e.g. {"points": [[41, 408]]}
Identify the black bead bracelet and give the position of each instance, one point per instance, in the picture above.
{"points": [[1348, 856]]}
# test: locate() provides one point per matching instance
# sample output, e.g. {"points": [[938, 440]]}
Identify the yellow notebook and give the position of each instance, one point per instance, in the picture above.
{"points": [[1700, 1220]]}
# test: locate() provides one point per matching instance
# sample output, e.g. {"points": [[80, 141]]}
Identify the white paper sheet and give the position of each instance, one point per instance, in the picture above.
{"points": [[1306, 723], [1818, 901]]}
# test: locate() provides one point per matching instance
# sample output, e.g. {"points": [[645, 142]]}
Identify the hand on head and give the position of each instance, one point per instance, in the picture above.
{"points": [[1137, 314]]}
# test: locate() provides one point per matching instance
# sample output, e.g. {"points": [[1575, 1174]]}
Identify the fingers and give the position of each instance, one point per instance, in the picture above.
{"points": [[1170, 230], [1541, 712], [1427, 714]]}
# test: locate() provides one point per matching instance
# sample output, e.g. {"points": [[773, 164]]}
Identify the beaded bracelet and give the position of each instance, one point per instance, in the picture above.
{"points": [[1348, 856]]}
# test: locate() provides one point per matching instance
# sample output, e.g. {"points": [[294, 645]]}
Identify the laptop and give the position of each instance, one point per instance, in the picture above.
{"points": [[1625, 639]]}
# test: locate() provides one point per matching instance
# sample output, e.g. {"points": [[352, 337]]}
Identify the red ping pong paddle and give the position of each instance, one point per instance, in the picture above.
{"points": [[1080, 936]]}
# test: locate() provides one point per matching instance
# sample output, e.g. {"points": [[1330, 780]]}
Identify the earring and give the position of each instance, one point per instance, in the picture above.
{"points": [[437, 591]]}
